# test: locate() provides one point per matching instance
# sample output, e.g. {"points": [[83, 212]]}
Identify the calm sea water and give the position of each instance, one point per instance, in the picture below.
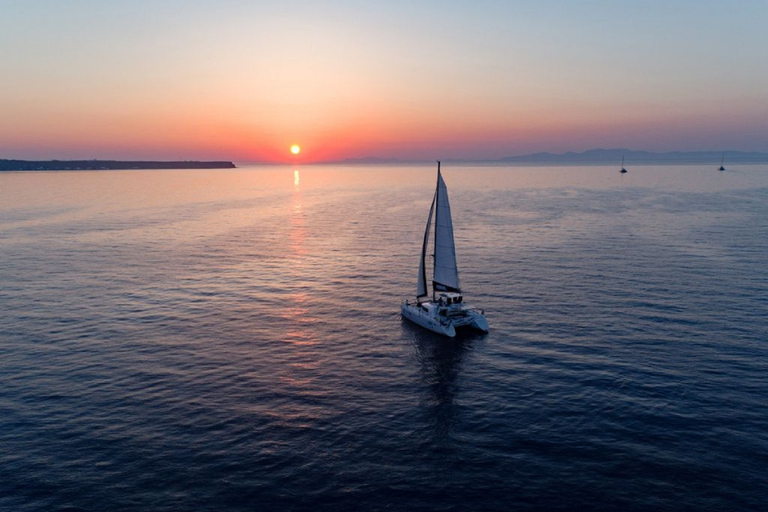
{"points": [[230, 340]]}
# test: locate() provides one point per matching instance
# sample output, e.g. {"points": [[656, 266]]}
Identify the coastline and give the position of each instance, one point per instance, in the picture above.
{"points": [[104, 165]]}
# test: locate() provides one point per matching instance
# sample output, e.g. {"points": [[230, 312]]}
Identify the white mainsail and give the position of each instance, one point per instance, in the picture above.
{"points": [[446, 273]]}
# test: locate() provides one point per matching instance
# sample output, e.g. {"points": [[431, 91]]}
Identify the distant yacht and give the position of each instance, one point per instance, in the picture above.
{"points": [[623, 170], [446, 312], [722, 159]]}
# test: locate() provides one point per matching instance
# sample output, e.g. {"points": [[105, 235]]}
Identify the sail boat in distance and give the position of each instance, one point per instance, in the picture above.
{"points": [[623, 170], [446, 312], [722, 159]]}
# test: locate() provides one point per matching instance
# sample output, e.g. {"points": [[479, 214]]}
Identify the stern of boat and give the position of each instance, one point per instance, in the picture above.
{"points": [[479, 321]]}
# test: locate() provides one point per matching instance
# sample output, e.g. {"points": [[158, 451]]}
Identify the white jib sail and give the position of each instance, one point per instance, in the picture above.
{"points": [[421, 286]]}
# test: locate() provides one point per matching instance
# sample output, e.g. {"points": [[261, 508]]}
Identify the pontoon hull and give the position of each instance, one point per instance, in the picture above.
{"points": [[443, 326]]}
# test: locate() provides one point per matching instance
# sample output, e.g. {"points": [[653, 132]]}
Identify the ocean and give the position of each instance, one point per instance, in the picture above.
{"points": [[215, 340]]}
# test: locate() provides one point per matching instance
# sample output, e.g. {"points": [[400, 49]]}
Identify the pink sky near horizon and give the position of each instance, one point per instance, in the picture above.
{"points": [[224, 80]]}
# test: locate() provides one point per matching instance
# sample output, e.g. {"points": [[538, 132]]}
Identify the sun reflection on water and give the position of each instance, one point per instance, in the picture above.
{"points": [[298, 231], [297, 314], [298, 320]]}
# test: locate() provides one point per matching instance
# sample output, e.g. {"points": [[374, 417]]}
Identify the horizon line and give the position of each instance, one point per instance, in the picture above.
{"points": [[592, 156]]}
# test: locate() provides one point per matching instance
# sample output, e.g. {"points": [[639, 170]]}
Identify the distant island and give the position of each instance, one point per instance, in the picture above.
{"points": [[614, 156], [373, 160], [102, 165], [590, 157]]}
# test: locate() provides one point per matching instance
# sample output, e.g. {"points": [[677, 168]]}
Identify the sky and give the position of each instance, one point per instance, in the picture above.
{"points": [[419, 79]]}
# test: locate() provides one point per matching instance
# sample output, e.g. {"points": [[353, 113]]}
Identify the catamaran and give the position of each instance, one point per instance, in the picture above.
{"points": [[445, 311]]}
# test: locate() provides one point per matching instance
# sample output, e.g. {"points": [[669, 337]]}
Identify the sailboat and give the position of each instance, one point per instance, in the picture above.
{"points": [[722, 159], [623, 170], [445, 311]]}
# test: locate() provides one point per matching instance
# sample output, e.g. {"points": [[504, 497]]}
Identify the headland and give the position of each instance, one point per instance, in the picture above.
{"points": [[103, 165]]}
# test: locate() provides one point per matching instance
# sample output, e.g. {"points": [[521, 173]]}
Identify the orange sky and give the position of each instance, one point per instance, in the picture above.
{"points": [[224, 80]]}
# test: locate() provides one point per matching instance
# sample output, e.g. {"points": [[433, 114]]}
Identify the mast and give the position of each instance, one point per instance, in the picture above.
{"points": [[437, 216]]}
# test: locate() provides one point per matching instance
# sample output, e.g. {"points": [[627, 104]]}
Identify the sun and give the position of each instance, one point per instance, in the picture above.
{"points": [[295, 149]]}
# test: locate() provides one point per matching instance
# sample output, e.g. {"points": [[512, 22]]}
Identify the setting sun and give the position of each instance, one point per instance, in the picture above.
{"points": [[295, 149]]}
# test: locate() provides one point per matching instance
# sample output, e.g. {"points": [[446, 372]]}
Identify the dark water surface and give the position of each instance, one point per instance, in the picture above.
{"points": [[230, 340]]}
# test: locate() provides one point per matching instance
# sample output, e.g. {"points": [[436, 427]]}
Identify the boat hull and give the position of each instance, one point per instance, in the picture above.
{"points": [[426, 318]]}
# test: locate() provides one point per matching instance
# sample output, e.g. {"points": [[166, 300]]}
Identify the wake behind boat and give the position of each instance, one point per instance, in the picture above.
{"points": [[446, 312]]}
